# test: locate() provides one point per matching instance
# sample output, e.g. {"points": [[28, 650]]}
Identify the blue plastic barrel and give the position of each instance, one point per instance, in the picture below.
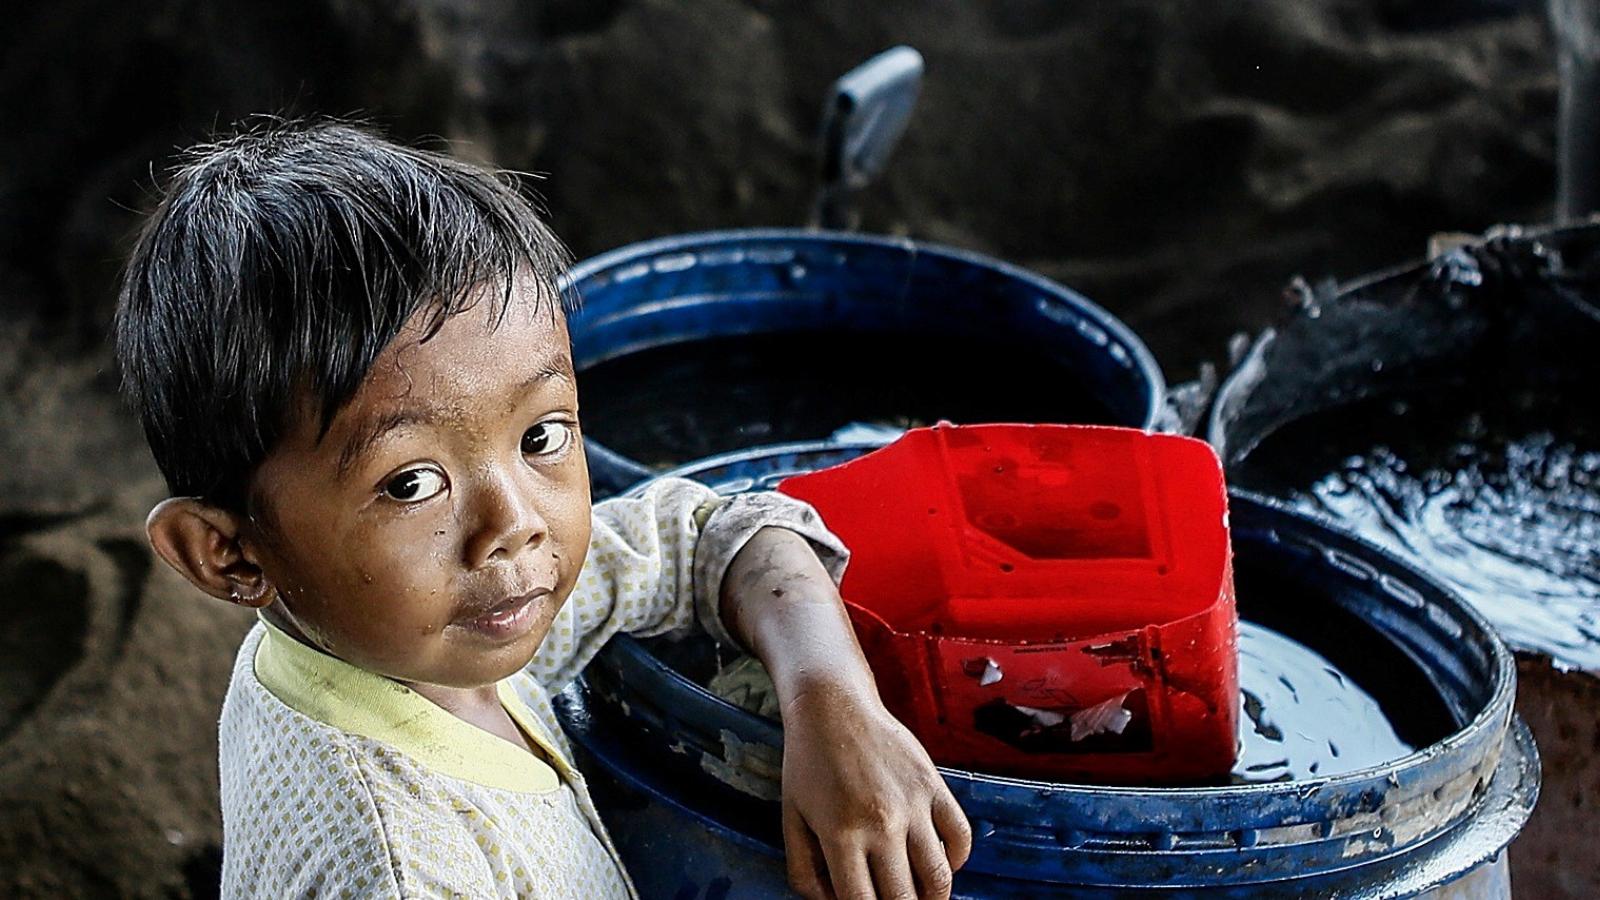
{"points": [[849, 295], [687, 781]]}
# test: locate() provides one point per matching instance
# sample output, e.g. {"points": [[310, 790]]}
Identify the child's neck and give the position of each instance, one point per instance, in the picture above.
{"points": [[478, 706], [470, 704]]}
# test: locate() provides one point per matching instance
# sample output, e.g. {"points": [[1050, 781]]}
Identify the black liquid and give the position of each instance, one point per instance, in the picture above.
{"points": [[1496, 491], [673, 404]]}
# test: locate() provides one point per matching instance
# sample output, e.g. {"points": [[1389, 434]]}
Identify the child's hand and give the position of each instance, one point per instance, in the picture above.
{"points": [[865, 813]]}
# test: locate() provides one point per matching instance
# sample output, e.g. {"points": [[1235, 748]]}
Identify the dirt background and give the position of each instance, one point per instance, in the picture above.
{"points": [[1175, 161]]}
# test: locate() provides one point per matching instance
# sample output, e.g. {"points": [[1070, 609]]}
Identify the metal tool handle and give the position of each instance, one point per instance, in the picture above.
{"points": [[862, 120]]}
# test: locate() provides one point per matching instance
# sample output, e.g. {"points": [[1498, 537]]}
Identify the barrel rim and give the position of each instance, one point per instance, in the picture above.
{"points": [[1509, 797], [1143, 360]]}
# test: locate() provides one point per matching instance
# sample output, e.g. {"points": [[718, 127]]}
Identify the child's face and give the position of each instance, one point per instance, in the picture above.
{"points": [[443, 548]]}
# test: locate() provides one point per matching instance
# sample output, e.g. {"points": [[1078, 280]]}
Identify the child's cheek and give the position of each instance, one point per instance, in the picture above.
{"points": [[406, 565]]}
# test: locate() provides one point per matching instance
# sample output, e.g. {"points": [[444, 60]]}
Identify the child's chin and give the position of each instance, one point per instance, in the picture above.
{"points": [[491, 665]]}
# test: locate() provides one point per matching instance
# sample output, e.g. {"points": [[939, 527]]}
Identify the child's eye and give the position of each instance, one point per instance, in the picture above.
{"points": [[414, 485], [546, 438]]}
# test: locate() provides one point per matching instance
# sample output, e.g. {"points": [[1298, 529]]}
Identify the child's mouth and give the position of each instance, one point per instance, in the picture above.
{"points": [[508, 619]]}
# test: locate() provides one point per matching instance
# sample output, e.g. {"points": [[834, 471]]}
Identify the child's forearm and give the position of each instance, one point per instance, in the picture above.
{"points": [[865, 813], [778, 600]]}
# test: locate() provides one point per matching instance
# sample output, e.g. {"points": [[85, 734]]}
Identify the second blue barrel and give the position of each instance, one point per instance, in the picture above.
{"points": [[688, 782], [700, 344]]}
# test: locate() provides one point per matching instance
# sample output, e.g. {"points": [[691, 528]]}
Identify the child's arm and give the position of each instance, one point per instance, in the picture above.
{"points": [[860, 794], [655, 563], [863, 806]]}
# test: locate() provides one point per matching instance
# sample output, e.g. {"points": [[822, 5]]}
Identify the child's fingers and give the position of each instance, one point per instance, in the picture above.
{"points": [[847, 864], [929, 864], [803, 856], [953, 828], [891, 872]]}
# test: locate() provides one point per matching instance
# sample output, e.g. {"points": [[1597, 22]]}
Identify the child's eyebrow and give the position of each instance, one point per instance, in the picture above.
{"points": [[368, 433]]}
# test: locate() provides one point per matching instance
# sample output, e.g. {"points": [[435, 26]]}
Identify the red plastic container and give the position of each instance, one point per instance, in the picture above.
{"points": [[1045, 601]]}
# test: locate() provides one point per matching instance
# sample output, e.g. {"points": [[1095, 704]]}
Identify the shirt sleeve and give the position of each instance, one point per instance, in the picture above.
{"points": [[655, 566], [313, 828]]}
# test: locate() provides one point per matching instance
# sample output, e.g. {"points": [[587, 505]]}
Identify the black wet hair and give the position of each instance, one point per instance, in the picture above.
{"points": [[280, 262]]}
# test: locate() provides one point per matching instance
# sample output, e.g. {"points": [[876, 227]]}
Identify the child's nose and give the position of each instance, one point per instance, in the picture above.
{"points": [[508, 521]]}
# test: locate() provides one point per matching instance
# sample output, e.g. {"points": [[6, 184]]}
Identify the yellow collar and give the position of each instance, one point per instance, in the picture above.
{"points": [[351, 699]]}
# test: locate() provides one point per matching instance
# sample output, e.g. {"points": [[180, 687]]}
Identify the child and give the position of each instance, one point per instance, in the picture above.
{"points": [[353, 369]]}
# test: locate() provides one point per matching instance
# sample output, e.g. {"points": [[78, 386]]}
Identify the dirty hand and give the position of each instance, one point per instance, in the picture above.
{"points": [[865, 813]]}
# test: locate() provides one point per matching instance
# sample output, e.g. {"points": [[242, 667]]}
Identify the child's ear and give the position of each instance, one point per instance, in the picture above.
{"points": [[201, 542]]}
